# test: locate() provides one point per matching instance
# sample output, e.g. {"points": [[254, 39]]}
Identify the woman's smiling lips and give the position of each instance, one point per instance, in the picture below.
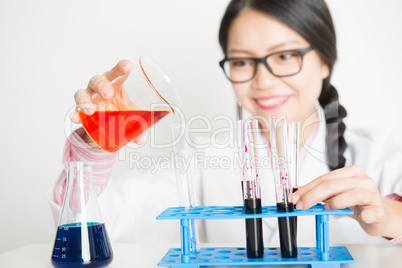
{"points": [[270, 103]]}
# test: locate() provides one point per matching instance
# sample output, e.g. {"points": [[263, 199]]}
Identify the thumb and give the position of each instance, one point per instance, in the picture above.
{"points": [[141, 139]]}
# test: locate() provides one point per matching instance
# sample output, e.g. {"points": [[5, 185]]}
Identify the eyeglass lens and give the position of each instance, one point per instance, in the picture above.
{"points": [[281, 64]]}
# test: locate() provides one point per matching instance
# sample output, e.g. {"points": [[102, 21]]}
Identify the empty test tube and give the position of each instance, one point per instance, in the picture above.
{"points": [[184, 180]]}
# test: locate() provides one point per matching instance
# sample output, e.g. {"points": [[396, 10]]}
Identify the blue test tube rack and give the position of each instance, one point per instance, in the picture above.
{"points": [[321, 256]]}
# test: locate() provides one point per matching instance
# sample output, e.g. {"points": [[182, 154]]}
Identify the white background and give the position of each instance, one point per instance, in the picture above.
{"points": [[49, 49]]}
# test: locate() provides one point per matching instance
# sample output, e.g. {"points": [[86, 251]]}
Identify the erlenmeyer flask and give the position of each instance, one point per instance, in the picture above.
{"points": [[81, 239]]}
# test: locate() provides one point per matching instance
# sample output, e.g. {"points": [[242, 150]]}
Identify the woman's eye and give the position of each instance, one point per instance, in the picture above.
{"points": [[240, 63], [286, 56]]}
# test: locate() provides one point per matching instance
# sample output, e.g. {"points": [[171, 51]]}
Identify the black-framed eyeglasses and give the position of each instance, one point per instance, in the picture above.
{"points": [[281, 64]]}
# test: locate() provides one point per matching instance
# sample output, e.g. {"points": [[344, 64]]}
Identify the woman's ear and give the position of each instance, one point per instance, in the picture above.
{"points": [[324, 70]]}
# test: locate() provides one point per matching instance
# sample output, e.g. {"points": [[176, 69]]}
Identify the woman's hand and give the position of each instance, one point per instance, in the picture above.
{"points": [[350, 187], [100, 84], [106, 93]]}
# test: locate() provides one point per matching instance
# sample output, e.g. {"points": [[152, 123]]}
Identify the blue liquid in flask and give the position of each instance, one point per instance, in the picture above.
{"points": [[76, 246]]}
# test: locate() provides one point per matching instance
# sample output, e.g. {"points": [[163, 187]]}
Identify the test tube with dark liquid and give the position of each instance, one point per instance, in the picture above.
{"points": [[251, 188], [283, 186]]}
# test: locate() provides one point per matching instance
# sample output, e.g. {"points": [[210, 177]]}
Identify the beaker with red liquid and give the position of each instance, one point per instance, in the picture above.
{"points": [[140, 100]]}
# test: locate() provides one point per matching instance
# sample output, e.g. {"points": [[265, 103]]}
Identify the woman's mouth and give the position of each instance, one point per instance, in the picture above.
{"points": [[271, 103]]}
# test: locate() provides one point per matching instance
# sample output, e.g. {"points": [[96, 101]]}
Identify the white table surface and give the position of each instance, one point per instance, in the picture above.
{"points": [[148, 256]]}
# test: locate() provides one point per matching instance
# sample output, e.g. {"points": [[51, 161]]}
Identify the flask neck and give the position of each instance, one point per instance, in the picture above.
{"points": [[80, 201]]}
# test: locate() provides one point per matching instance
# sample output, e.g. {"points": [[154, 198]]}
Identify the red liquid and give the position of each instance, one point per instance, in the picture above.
{"points": [[111, 130]]}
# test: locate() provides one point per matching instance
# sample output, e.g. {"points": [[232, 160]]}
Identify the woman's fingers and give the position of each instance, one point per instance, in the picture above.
{"points": [[83, 100], [350, 171], [74, 117], [100, 85], [121, 68], [329, 188], [141, 139], [371, 215], [352, 197], [369, 209]]}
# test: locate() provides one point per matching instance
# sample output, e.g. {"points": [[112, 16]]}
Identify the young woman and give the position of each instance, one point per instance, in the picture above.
{"points": [[279, 56]]}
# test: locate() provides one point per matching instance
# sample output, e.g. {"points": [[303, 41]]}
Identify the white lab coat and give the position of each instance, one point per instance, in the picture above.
{"points": [[130, 203]]}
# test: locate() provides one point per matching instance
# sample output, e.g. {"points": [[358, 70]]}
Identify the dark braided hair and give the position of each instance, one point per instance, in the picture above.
{"points": [[312, 20]]}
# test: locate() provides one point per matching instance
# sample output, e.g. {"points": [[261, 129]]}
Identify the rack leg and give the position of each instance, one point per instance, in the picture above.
{"points": [[322, 234], [185, 240], [318, 234]]}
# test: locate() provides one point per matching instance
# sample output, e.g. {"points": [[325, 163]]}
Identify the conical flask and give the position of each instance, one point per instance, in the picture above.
{"points": [[81, 239]]}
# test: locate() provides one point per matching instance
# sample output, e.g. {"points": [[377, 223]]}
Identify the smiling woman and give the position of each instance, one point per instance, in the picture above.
{"points": [[288, 30], [297, 71], [279, 56]]}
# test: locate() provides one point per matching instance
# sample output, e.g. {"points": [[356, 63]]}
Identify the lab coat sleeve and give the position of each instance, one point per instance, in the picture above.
{"points": [[381, 157], [393, 196]]}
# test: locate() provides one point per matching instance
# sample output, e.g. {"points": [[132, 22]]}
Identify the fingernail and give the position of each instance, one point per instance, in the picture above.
{"points": [[89, 108], [89, 111], [74, 117], [295, 198], [107, 92], [326, 206], [125, 64], [299, 205]]}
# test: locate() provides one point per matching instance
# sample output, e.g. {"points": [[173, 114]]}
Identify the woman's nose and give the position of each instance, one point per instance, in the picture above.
{"points": [[264, 78]]}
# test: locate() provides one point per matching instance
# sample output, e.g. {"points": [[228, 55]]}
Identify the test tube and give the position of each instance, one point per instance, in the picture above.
{"points": [[293, 147], [251, 187], [184, 180], [283, 185]]}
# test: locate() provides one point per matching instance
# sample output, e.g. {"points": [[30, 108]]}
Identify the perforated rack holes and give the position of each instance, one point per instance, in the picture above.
{"points": [[272, 256], [222, 212], [321, 256]]}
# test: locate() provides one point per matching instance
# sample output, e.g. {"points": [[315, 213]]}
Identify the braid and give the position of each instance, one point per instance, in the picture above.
{"points": [[334, 114]]}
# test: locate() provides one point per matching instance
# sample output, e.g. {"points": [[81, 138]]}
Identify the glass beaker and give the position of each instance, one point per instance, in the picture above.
{"points": [[81, 238], [139, 101]]}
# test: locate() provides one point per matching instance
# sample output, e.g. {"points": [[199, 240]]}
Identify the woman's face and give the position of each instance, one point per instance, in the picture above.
{"points": [[255, 34]]}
